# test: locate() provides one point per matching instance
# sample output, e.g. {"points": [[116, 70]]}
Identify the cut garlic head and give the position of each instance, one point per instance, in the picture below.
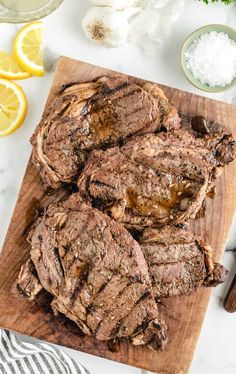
{"points": [[106, 26]]}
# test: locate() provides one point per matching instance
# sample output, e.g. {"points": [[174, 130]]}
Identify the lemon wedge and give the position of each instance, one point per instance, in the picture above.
{"points": [[27, 48], [13, 106], [9, 67]]}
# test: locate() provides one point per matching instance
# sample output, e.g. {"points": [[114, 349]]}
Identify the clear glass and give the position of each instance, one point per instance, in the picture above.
{"points": [[18, 11]]}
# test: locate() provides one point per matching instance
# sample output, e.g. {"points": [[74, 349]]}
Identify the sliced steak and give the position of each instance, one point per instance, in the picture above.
{"points": [[155, 178], [179, 262], [92, 115], [96, 272]]}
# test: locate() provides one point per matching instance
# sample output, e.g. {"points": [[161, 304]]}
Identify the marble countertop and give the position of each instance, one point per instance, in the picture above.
{"points": [[216, 349]]}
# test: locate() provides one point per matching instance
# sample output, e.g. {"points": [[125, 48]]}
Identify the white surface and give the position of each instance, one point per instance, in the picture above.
{"points": [[216, 350]]}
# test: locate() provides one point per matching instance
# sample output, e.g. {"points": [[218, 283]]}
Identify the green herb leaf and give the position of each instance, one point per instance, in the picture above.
{"points": [[227, 2]]}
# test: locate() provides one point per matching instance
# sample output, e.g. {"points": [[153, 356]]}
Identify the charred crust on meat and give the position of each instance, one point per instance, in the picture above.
{"points": [[103, 286], [90, 309], [183, 226], [58, 259], [141, 327], [99, 183], [82, 278], [72, 187], [87, 184], [107, 90], [157, 326], [116, 329], [146, 294], [154, 342], [65, 86], [97, 328], [134, 279], [113, 345], [21, 291], [98, 203]]}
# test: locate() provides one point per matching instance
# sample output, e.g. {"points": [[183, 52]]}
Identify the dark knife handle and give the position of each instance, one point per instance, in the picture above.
{"points": [[230, 300]]}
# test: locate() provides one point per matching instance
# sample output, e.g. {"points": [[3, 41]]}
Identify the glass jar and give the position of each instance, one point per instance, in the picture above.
{"points": [[19, 11]]}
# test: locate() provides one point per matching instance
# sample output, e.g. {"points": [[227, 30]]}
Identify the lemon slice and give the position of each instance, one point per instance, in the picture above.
{"points": [[9, 67], [28, 48], [13, 106]]}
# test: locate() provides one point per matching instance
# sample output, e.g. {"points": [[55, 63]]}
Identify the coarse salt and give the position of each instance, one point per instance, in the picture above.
{"points": [[211, 58]]}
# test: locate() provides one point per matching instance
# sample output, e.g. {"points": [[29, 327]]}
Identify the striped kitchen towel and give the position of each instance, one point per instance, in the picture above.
{"points": [[17, 357]]}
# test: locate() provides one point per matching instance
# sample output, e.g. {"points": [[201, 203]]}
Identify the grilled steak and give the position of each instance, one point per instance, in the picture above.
{"points": [[96, 272], [155, 178], [178, 262], [93, 115]]}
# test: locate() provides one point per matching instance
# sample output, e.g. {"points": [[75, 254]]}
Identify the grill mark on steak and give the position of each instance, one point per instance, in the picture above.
{"points": [[21, 291], [110, 100], [141, 327], [134, 279], [87, 184], [119, 323], [108, 90], [56, 254], [91, 308], [98, 183], [83, 277], [102, 287], [98, 203], [116, 329], [97, 328], [110, 311], [145, 295]]}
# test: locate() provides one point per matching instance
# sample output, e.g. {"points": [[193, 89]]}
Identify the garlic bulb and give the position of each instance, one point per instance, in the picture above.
{"points": [[117, 4], [107, 26]]}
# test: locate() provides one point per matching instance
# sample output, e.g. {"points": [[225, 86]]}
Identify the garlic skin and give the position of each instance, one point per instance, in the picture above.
{"points": [[107, 26], [153, 25], [116, 4]]}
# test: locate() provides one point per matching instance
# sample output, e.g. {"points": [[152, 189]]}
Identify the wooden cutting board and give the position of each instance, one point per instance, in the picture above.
{"points": [[184, 315]]}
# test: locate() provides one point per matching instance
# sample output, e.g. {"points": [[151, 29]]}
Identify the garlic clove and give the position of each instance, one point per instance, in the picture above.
{"points": [[117, 4], [105, 26]]}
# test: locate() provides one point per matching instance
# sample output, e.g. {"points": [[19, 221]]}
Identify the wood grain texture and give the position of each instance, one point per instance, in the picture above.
{"points": [[230, 300], [184, 315]]}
